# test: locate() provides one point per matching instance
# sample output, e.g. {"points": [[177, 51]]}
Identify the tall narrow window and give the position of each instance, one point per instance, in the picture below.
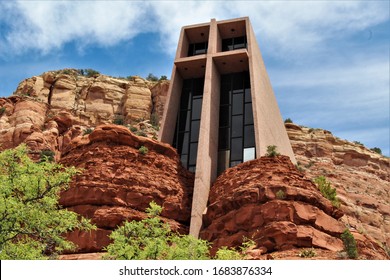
{"points": [[188, 122], [236, 142]]}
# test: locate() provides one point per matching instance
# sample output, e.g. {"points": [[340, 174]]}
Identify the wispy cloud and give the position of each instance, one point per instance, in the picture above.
{"points": [[287, 26]]}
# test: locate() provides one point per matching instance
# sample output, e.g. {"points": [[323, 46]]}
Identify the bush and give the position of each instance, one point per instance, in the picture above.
{"points": [[163, 78], [141, 133], [2, 110], [133, 128], [327, 191], [288, 120], [33, 225], [88, 72], [87, 131], [151, 78], [143, 150], [152, 239], [118, 120], [280, 194], [376, 150], [154, 120], [47, 155], [272, 151], [307, 253], [349, 244]]}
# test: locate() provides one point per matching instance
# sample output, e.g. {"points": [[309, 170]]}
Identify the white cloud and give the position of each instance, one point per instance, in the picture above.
{"points": [[288, 26]]}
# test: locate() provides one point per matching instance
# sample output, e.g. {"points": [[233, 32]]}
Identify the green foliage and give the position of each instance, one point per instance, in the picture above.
{"points": [[288, 120], [163, 78], [87, 131], [151, 78], [32, 225], [280, 194], [224, 253], [152, 239], [154, 120], [358, 143], [118, 120], [133, 128], [141, 133], [327, 191], [47, 155], [272, 151], [2, 110], [88, 73], [349, 244], [307, 253], [143, 150], [376, 150]]}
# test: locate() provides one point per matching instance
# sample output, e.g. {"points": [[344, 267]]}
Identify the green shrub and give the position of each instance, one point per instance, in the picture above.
{"points": [[141, 133], [88, 73], [376, 150], [133, 128], [118, 120], [307, 253], [87, 131], [272, 151], [358, 143], [47, 155], [151, 78], [143, 150], [33, 225], [2, 110], [163, 78], [280, 194], [327, 191], [154, 120], [288, 120], [349, 244]]}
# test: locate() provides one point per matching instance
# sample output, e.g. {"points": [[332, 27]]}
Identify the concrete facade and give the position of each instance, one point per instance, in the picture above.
{"points": [[268, 123]]}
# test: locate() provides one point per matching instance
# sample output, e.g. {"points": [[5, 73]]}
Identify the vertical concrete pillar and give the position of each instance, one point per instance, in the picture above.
{"points": [[206, 164]]}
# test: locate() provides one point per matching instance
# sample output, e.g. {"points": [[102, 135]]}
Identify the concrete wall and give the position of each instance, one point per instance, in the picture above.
{"points": [[269, 124]]}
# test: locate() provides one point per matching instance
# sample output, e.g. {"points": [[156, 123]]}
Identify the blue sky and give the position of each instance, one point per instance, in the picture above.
{"points": [[328, 61]]}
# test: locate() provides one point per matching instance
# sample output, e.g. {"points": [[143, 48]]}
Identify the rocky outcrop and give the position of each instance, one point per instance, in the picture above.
{"points": [[92, 100], [361, 177], [159, 96], [117, 183], [271, 202]]}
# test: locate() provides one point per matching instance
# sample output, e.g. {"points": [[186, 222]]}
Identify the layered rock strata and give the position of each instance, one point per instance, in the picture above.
{"points": [[118, 182], [360, 176]]}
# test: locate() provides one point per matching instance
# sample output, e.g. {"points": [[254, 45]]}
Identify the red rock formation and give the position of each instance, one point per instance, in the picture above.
{"points": [[361, 177], [118, 182], [271, 202]]}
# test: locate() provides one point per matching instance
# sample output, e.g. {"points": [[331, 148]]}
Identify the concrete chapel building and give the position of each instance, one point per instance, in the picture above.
{"points": [[221, 109]]}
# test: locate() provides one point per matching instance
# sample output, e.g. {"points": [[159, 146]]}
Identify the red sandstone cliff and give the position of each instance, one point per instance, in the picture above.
{"points": [[54, 112]]}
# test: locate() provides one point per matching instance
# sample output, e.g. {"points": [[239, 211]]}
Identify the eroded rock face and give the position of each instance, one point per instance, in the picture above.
{"points": [[92, 100], [118, 183], [361, 177], [272, 203]]}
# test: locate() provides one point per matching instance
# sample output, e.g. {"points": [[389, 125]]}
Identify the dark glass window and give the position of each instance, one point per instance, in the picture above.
{"points": [[249, 136], [193, 153], [224, 138], [236, 149], [248, 113], [233, 43], [236, 139], [197, 48], [237, 103], [224, 116], [196, 108], [188, 122], [237, 125]]}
